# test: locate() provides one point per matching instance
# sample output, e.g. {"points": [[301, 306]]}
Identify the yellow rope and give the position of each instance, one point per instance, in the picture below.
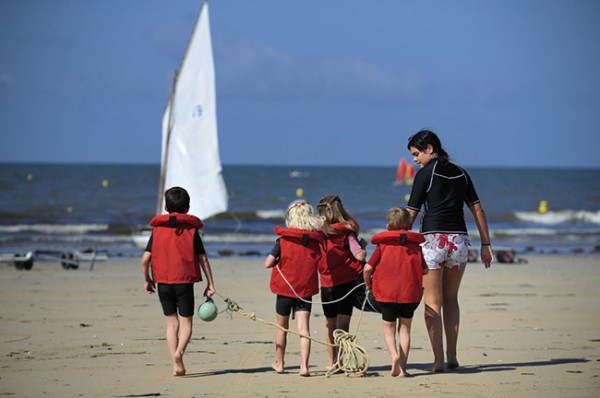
{"points": [[353, 360]]}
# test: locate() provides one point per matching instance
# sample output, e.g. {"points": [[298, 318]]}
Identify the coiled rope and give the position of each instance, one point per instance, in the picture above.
{"points": [[352, 359]]}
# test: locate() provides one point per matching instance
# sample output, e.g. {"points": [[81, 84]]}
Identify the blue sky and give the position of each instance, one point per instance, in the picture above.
{"points": [[504, 83]]}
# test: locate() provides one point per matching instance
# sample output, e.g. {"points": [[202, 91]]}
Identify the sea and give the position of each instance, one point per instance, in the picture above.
{"points": [[80, 207]]}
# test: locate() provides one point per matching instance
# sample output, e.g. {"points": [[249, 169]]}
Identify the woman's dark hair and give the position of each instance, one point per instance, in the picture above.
{"points": [[177, 200], [423, 138]]}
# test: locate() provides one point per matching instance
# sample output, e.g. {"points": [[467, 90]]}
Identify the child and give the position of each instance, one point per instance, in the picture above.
{"points": [[397, 266], [175, 253], [297, 254], [345, 257]]}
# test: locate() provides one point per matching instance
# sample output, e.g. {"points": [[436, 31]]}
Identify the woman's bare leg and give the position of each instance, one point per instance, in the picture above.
{"points": [[451, 312], [432, 282]]}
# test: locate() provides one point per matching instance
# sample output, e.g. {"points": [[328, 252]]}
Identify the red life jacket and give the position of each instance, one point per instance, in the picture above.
{"points": [[301, 253], [173, 257], [398, 277], [341, 266]]}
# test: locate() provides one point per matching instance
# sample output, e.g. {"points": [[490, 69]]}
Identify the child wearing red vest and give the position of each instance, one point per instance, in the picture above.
{"points": [[397, 266], [294, 261], [345, 257], [175, 254]]}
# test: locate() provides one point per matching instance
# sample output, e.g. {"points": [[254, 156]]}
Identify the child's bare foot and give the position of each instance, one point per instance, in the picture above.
{"points": [[304, 373], [395, 367], [332, 369], [178, 367], [403, 374], [278, 367]]}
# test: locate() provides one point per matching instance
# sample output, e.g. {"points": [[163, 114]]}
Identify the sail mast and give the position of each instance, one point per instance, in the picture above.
{"points": [[165, 155]]}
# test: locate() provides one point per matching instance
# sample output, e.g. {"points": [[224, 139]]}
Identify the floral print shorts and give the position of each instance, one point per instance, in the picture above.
{"points": [[446, 250]]}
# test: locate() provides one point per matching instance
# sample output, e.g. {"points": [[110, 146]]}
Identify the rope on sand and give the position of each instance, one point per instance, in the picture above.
{"points": [[353, 360]]}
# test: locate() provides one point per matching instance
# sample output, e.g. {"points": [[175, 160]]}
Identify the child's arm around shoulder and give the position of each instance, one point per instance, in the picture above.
{"points": [[149, 285], [367, 271], [210, 287], [356, 248]]}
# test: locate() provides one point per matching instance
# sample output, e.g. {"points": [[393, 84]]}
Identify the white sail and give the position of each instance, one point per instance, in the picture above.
{"points": [[190, 148]]}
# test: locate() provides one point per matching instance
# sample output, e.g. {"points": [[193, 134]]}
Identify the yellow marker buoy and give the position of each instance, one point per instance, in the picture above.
{"points": [[29, 177], [299, 192], [543, 207], [104, 183]]}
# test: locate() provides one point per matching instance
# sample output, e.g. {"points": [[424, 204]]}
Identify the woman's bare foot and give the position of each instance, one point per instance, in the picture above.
{"points": [[278, 367], [452, 362], [437, 367], [403, 374], [178, 367], [395, 367]]}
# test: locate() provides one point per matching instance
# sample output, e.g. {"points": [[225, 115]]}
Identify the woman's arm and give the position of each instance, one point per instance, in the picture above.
{"points": [[487, 255], [413, 216]]}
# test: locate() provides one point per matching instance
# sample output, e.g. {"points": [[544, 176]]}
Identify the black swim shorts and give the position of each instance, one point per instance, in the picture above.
{"points": [[392, 311], [178, 296], [334, 293], [285, 305]]}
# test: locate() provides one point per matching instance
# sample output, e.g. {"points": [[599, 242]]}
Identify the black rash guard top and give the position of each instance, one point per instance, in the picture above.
{"points": [[443, 188]]}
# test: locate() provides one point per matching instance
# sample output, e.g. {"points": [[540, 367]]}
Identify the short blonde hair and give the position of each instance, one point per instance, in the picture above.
{"points": [[398, 218], [300, 215]]}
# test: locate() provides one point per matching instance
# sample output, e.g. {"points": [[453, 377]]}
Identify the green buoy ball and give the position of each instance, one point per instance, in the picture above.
{"points": [[207, 310]]}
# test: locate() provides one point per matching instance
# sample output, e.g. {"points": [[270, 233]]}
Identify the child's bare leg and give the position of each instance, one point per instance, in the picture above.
{"points": [[343, 322], [281, 343], [404, 336], [185, 334], [173, 341], [330, 326], [389, 335], [303, 319]]}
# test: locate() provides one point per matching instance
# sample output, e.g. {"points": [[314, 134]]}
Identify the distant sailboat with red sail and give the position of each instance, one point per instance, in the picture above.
{"points": [[405, 173]]}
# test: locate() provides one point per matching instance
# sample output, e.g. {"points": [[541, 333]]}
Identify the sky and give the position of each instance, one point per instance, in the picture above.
{"points": [[510, 83]]}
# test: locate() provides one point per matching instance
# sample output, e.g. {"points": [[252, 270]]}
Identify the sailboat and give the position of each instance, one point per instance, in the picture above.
{"points": [[405, 174], [190, 150]]}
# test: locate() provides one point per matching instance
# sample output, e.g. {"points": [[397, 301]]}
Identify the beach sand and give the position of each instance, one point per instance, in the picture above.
{"points": [[527, 330]]}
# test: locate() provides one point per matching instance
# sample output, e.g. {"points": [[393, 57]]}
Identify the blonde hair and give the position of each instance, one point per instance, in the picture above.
{"points": [[398, 218], [300, 215], [332, 209]]}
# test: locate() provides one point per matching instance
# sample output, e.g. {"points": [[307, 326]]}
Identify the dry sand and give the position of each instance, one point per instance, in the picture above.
{"points": [[528, 330]]}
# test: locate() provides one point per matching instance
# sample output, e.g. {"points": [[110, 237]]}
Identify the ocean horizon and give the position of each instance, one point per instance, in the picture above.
{"points": [[71, 206]]}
